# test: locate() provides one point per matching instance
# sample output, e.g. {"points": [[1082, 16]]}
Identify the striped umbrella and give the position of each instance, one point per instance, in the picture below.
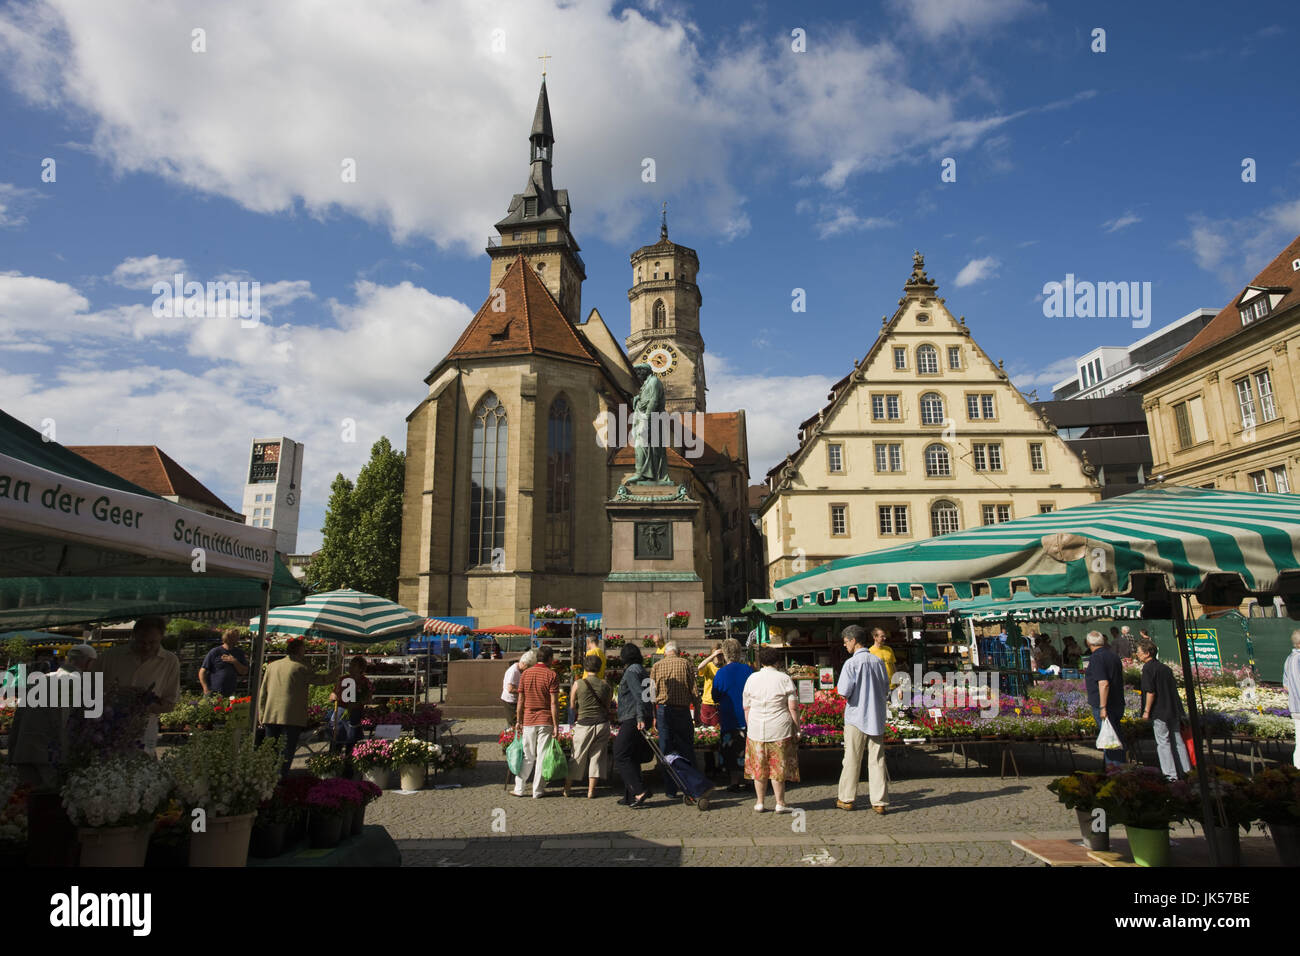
{"points": [[1180, 534], [438, 626], [344, 615]]}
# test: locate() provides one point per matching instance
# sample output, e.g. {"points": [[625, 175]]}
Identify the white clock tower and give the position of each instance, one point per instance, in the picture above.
{"points": [[273, 492], [665, 306]]}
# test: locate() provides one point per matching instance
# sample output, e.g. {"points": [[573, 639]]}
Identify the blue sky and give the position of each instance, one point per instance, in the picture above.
{"points": [[817, 170]]}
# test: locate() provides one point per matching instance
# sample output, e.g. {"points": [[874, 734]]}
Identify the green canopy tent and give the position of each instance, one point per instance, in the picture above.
{"points": [[78, 544], [1026, 607], [1158, 547]]}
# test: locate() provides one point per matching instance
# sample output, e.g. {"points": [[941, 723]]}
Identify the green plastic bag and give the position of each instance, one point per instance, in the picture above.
{"points": [[555, 764], [515, 754]]}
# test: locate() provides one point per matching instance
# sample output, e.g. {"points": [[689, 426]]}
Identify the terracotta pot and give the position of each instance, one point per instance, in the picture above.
{"points": [[225, 843], [114, 846]]}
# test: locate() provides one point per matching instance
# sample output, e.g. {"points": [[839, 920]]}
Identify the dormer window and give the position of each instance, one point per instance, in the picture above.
{"points": [[530, 207], [1255, 309]]}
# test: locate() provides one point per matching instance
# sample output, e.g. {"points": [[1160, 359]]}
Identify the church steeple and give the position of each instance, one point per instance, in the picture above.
{"points": [[537, 223]]}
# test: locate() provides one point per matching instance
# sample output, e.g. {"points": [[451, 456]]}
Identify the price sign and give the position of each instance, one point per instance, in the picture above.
{"points": [[806, 691], [388, 731], [826, 677], [936, 713]]}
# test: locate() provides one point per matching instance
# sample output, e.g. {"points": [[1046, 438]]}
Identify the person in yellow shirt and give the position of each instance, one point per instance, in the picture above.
{"points": [[593, 647], [708, 715], [883, 650]]}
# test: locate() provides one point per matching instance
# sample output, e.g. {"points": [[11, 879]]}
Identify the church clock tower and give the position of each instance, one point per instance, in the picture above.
{"points": [[665, 305], [537, 224]]}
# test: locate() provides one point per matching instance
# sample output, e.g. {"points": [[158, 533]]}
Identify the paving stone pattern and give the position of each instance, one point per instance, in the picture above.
{"points": [[942, 813]]}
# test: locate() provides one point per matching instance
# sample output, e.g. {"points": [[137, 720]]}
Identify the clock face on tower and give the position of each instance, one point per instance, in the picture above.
{"points": [[662, 358]]}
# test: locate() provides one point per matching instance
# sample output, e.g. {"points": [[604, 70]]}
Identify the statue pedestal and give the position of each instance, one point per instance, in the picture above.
{"points": [[652, 562]]}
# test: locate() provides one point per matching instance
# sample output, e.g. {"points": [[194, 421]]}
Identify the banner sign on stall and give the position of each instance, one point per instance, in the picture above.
{"points": [[935, 606], [1203, 643], [41, 504]]}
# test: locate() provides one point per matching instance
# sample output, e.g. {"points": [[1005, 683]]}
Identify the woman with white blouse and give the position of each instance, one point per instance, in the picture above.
{"points": [[772, 738]]}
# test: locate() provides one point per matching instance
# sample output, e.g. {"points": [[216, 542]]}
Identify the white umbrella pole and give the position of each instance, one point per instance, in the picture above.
{"points": [[259, 656]]}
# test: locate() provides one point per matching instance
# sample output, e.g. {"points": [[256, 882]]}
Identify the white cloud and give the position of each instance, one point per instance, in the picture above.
{"points": [[1118, 223], [374, 85], [1043, 378], [841, 219], [940, 18], [775, 406], [977, 270], [141, 272], [12, 198], [1237, 249]]}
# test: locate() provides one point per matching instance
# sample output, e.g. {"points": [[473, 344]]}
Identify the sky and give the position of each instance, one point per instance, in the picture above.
{"points": [[351, 158]]}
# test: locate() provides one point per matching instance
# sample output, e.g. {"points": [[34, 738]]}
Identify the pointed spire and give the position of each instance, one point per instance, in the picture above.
{"points": [[542, 117], [663, 225]]}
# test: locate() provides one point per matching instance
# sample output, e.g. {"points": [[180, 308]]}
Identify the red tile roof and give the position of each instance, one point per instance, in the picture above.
{"points": [[1277, 274], [530, 323], [152, 469], [757, 495], [722, 438], [626, 455]]}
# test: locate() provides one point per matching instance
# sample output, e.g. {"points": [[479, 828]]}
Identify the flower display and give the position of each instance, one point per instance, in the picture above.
{"points": [[326, 764], [116, 732], [1276, 793], [678, 618], [565, 737], [1229, 792], [373, 754], [224, 772], [412, 750], [1141, 797], [120, 791], [335, 796], [1079, 790], [554, 613], [614, 641], [423, 717]]}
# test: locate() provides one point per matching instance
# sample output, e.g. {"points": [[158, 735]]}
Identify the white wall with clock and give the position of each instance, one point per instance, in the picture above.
{"points": [[273, 489]]}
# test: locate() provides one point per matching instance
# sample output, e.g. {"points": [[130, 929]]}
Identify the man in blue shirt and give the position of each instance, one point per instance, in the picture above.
{"points": [[728, 697], [864, 685], [223, 666], [1104, 680]]}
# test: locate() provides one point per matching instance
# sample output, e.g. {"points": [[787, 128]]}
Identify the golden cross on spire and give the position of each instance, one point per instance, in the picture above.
{"points": [[544, 57]]}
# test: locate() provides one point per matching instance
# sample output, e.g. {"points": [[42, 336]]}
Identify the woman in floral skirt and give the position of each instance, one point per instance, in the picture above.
{"points": [[772, 740]]}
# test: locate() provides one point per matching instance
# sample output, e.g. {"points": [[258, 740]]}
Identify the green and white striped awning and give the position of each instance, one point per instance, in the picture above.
{"points": [[344, 615], [1025, 607], [1181, 534]]}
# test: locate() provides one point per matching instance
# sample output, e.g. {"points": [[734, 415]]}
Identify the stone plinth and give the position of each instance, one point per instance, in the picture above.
{"points": [[652, 562]]}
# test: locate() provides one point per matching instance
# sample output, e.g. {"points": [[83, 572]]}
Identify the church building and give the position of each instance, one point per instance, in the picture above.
{"points": [[511, 457]]}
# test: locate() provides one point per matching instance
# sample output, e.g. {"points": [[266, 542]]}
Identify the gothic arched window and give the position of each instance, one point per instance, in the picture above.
{"points": [[559, 485], [661, 314], [487, 494]]}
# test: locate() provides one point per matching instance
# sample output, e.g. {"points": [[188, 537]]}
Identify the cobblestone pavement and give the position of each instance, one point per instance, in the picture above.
{"points": [[942, 813]]}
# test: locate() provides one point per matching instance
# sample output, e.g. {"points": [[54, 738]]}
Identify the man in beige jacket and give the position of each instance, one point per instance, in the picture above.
{"points": [[282, 705]]}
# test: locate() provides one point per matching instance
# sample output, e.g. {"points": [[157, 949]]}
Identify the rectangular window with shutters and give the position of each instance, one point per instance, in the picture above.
{"points": [[877, 407], [1259, 481], [972, 407], [1184, 424], [1036, 460], [954, 356], [900, 357], [995, 514], [995, 456], [1046, 509], [980, 458], [889, 457], [839, 520], [893, 519], [1189, 417], [894, 407], [895, 457], [834, 458], [986, 406], [1245, 401], [1281, 481], [882, 458], [987, 512]]}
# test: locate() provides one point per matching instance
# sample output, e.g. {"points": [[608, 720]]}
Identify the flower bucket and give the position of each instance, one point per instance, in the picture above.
{"points": [[413, 776], [225, 843], [1149, 847], [114, 846], [1228, 842], [381, 777], [1095, 841], [358, 819], [268, 840], [1286, 837], [325, 830]]}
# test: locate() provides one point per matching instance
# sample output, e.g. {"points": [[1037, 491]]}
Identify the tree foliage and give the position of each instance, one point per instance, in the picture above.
{"points": [[363, 528]]}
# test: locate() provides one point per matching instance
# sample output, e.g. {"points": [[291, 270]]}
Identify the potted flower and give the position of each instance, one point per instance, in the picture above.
{"points": [[1276, 793], [1145, 803], [331, 804], [374, 758], [113, 805], [678, 619], [1078, 792], [412, 757], [1231, 792], [326, 765], [227, 776]]}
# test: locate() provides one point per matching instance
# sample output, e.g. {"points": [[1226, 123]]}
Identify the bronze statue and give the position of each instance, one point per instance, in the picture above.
{"points": [[647, 419]]}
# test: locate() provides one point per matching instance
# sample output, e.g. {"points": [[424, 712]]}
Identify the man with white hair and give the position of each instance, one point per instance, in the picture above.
{"points": [[673, 680], [510, 685], [1104, 680], [1291, 680], [1124, 643]]}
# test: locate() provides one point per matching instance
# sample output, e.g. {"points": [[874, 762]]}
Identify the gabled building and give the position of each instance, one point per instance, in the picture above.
{"points": [[1225, 412], [926, 436], [154, 470], [510, 460]]}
